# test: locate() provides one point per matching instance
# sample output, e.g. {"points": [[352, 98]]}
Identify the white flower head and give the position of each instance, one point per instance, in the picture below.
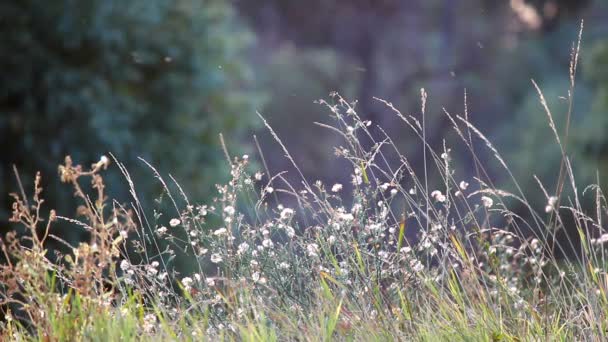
{"points": [[286, 213], [243, 247], [336, 187], [216, 258], [487, 201], [438, 196], [312, 249], [187, 281], [220, 232], [125, 265], [174, 222], [551, 204], [463, 185], [229, 210]]}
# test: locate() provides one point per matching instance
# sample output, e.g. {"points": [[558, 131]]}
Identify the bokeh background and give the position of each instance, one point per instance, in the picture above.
{"points": [[160, 79]]}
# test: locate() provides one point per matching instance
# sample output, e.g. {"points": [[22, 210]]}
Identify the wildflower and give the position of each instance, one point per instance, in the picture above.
{"points": [[331, 239], [412, 191], [216, 258], [336, 188], [384, 186], [463, 185], [187, 281], [229, 210], [103, 162], [283, 265], [210, 282], [312, 249], [286, 213], [267, 243], [243, 247], [124, 265], [149, 323], [438, 196], [487, 201], [290, 231], [220, 232], [174, 222], [602, 239], [416, 265], [346, 217], [551, 204], [269, 189], [405, 250], [394, 192], [258, 176]]}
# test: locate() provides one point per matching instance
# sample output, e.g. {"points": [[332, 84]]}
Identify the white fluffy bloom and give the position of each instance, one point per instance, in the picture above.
{"points": [[336, 188], [174, 222], [602, 239], [438, 196], [312, 249], [346, 217], [551, 204], [243, 247], [267, 243], [290, 231], [187, 281], [229, 210], [220, 232], [405, 250], [216, 258], [463, 185], [416, 265], [125, 265], [487, 201], [286, 213]]}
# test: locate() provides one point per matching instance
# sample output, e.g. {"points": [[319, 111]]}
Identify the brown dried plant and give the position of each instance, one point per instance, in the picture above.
{"points": [[30, 283]]}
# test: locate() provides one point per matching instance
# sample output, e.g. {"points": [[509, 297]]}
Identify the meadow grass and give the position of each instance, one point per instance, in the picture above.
{"points": [[393, 255]]}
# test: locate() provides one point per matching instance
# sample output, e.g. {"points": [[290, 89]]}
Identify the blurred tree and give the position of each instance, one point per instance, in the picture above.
{"points": [[594, 142], [157, 79]]}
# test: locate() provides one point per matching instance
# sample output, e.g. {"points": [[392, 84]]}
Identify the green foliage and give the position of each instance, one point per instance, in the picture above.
{"points": [[157, 79]]}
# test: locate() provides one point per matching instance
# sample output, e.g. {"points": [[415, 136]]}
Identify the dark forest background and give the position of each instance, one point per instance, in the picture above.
{"points": [[161, 79]]}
